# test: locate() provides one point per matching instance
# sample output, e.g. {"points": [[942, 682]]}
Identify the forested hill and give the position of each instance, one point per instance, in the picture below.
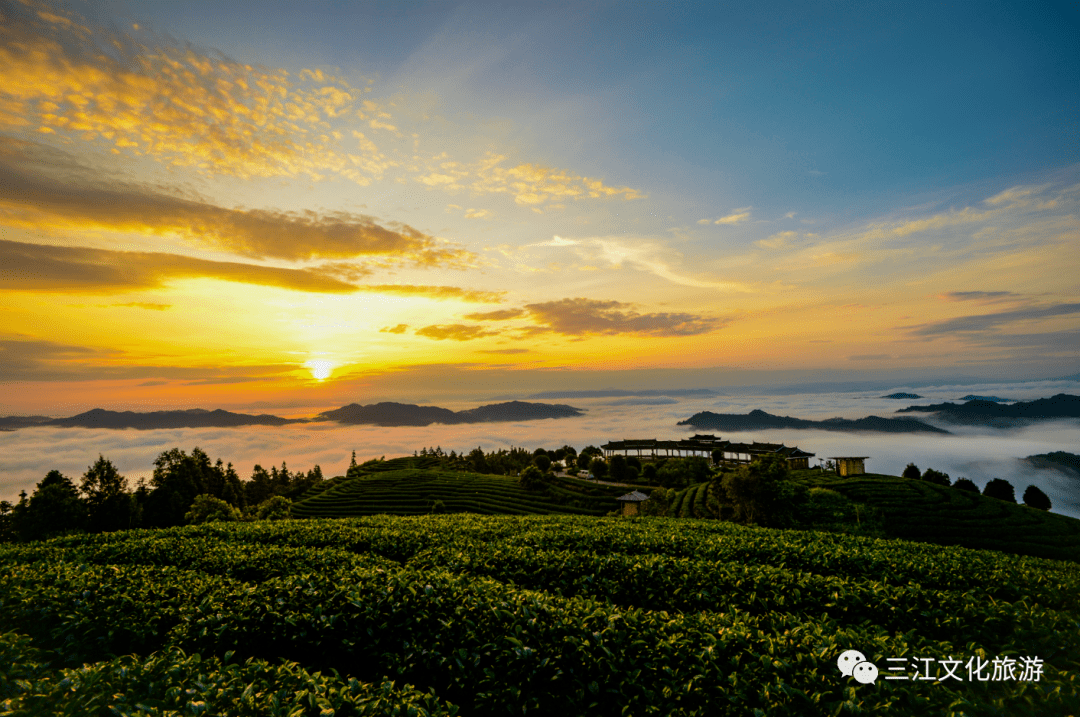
{"points": [[407, 414], [191, 418], [760, 420], [981, 412]]}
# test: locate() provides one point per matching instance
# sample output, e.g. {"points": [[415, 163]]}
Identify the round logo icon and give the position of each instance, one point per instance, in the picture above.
{"points": [[848, 660]]}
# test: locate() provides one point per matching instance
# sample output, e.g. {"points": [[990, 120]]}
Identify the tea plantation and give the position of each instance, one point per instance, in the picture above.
{"points": [[547, 615], [917, 510]]}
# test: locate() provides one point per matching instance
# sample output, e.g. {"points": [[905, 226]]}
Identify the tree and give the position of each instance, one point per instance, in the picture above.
{"points": [[717, 456], [648, 473], [936, 477], [532, 478], [912, 471], [54, 507], [260, 487], [617, 467], [205, 508], [477, 462], [1035, 498], [598, 468], [1000, 489], [965, 484], [277, 507], [658, 502], [755, 490], [542, 461], [634, 462], [583, 460], [109, 504]]}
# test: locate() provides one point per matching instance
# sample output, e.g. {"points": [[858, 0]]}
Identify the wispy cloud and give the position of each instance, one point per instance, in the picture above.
{"points": [[36, 267], [500, 315], [987, 322], [399, 329], [436, 292], [578, 317]]}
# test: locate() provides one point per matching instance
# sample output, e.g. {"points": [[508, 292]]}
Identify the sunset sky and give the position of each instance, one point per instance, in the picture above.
{"points": [[266, 205]]}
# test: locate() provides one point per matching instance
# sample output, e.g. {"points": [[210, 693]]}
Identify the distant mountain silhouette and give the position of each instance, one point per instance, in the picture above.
{"points": [[972, 397], [408, 414], [620, 393], [991, 413], [191, 418], [760, 420], [903, 395], [10, 423]]}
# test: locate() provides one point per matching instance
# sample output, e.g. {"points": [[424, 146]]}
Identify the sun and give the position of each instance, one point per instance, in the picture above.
{"points": [[320, 368]]}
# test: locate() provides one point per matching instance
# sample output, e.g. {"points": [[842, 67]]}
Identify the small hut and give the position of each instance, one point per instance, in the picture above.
{"points": [[630, 502], [850, 465]]}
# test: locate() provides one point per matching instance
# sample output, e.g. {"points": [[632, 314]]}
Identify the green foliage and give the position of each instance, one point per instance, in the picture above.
{"points": [[618, 469], [206, 508], [532, 478], [648, 472], [758, 494], [599, 468], [519, 615], [1000, 489], [965, 485], [277, 507], [543, 462], [912, 472], [1035, 498], [936, 477]]}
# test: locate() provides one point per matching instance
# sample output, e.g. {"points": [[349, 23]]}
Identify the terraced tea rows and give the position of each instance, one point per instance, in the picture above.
{"points": [[917, 510], [525, 615], [414, 491]]}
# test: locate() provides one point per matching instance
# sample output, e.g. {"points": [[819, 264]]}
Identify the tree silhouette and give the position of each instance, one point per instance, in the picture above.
{"points": [[1000, 489], [912, 471], [936, 477], [1035, 498], [109, 504], [965, 484], [54, 507]]}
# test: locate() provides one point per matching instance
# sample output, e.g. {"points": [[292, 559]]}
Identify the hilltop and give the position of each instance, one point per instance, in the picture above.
{"points": [[992, 413], [760, 420], [190, 418], [408, 414]]}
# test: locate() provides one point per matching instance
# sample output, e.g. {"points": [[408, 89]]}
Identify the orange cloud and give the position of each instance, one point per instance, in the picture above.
{"points": [[36, 199], [501, 315], [457, 332], [578, 317], [399, 329], [34, 267], [436, 292]]}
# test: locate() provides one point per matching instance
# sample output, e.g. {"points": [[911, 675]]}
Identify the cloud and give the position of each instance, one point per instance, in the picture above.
{"points": [[399, 329], [987, 322], [476, 213], [505, 351], [980, 296], [145, 305], [781, 240], [534, 185], [644, 255], [36, 199], [579, 317], [736, 216], [36, 267], [25, 358], [152, 96], [500, 315], [457, 332], [436, 292], [869, 357]]}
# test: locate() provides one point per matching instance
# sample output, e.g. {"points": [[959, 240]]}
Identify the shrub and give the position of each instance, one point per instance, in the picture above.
{"points": [[648, 473], [531, 478], [1000, 489], [542, 461], [206, 509], [912, 471], [1035, 498], [965, 484], [276, 508]]}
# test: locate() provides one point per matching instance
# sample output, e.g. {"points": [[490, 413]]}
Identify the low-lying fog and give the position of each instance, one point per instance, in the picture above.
{"points": [[980, 454]]}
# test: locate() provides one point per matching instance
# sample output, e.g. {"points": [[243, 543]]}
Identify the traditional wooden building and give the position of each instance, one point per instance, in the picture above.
{"points": [[631, 502], [850, 465], [704, 445]]}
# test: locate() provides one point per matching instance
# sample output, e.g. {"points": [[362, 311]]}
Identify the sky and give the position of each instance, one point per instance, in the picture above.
{"points": [[299, 206]]}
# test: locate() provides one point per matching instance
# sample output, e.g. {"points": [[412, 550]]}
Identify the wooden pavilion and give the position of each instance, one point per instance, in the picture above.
{"points": [[850, 465], [630, 502], [703, 445]]}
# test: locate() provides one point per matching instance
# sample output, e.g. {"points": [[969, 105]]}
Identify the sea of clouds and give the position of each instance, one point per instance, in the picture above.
{"points": [[977, 453]]}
